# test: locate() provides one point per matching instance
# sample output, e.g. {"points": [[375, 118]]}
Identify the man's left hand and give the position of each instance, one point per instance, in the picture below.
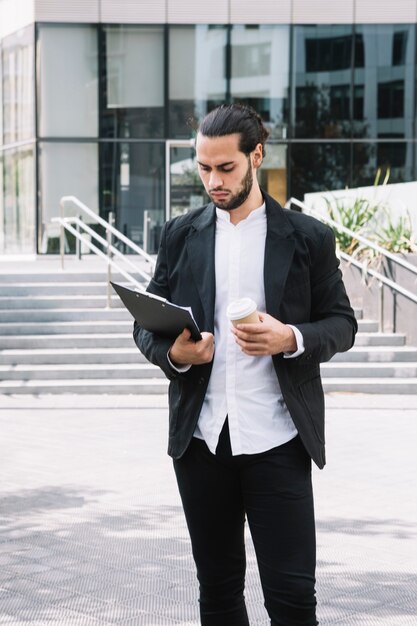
{"points": [[269, 336]]}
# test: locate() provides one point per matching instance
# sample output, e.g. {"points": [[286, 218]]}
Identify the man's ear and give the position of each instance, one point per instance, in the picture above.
{"points": [[257, 156]]}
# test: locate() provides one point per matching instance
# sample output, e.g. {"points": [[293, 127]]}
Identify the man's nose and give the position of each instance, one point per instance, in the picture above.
{"points": [[215, 180]]}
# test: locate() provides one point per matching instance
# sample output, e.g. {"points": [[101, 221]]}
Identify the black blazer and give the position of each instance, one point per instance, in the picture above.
{"points": [[303, 287]]}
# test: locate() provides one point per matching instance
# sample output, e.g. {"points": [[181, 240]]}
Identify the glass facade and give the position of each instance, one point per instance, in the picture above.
{"points": [[132, 82], [114, 102], [197, 76], [132, 183], [17, 145], [67, 81], [65, 169]]}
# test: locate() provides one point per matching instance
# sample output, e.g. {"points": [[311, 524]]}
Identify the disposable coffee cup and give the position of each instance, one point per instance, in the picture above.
{"points": [[242, 311]]}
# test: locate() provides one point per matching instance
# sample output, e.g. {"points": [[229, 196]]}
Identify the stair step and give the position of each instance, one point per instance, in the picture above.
{"points": [[367, 326], [63, 276], [371, 385], [75, 340], [93, 386], [377, 354], [369, 370], [58, 302], [79, 371], [43, 317], [51, 288], [380, 339], [72, 355], [64, 328]]}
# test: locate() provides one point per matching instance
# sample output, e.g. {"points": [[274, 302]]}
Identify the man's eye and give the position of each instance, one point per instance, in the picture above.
{"points": [[229, 169]]}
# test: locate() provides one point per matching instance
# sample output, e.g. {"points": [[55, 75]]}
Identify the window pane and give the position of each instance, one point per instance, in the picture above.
{"points": [[383, 159], [319, 167], [65, 169], [67, 81], [259, 77], [132, 182], [132, 82], [386, 81], [17, 207], [18, 87], [322, 73], [197, 74]]}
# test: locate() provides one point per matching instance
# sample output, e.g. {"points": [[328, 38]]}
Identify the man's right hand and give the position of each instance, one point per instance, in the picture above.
{"points": [[186, 351]]}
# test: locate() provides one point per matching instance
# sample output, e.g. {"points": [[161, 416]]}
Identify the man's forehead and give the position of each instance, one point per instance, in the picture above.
{"points": [[223, 147]]}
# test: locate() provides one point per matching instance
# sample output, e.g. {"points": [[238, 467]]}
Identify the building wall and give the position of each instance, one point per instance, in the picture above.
{"points": [[228, 11], [15, 14]]}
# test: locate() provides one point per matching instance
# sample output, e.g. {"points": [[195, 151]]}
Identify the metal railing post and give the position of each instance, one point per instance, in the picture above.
{"points": [[394, 312], [109, 257], [146, 222], [62, 235], [381, 307], [78, 245]]}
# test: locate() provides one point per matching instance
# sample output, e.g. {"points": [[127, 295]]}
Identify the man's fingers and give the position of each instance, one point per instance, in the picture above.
{"points": [[252, 329], [185, 335]]}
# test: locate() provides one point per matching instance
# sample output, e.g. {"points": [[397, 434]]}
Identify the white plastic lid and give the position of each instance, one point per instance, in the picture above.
{"points": [[240, 308]]}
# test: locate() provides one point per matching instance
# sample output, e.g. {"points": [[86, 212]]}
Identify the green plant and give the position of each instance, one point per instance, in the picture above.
{"points": [[397, 237], [355, 217]]}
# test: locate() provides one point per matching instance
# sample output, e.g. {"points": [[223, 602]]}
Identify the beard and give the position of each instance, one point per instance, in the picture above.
{"points": [[238, 198]]}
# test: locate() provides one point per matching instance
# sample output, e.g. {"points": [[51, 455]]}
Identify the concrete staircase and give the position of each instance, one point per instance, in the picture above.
{"points": [[56, 336]]}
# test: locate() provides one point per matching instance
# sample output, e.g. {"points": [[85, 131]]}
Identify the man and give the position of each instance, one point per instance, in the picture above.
{"points": [[246, 404]]}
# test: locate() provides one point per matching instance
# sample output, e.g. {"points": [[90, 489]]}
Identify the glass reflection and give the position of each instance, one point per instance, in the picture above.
{"points": [[69, 168], [132, 81], [17, 209], [18, 86], [197, 75], [319, 167], [132, 182], [384, 76], [322, 73], [391, 160], [67, 88], [259, 73]]}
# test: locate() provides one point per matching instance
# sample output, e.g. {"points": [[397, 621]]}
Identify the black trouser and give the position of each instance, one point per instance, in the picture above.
{"points": [[274, 490]]}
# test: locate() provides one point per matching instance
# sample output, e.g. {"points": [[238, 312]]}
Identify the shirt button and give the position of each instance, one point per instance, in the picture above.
{"points": [[201, 381]]}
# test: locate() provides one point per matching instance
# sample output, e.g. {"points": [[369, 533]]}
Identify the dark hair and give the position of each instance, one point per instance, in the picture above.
{"points": [[229, 119]]}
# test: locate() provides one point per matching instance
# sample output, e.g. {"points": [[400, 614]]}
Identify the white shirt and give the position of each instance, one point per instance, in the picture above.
{"points": [[244, 388]]}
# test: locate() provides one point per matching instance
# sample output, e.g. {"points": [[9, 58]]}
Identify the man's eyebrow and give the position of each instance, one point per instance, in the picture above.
{"points": [[219, 165]]}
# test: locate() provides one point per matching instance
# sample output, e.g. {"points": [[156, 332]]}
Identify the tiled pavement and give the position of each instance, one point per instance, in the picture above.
{"points": [[92, 532]]}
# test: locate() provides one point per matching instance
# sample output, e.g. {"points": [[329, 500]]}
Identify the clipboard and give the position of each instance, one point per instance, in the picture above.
{"points": [[156, 314]]}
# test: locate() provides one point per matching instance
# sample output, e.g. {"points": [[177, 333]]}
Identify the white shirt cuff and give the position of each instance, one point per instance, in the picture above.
{"points": [[300, 344], [182, 368]]}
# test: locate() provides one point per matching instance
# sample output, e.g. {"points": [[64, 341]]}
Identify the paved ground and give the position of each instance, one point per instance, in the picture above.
{"points": [[92, 530]]}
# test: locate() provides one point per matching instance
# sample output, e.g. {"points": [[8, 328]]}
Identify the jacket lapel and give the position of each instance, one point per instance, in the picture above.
{"points": [[200, 249], [279, 251]]}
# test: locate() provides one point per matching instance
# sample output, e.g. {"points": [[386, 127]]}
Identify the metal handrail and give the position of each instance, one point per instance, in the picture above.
{"points": [[364, 267], [128, 242], [77, 227], [67, 224]]}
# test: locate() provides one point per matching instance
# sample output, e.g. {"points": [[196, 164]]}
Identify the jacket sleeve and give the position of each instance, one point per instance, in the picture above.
{"points": [[332, 325], [153, 347]]}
